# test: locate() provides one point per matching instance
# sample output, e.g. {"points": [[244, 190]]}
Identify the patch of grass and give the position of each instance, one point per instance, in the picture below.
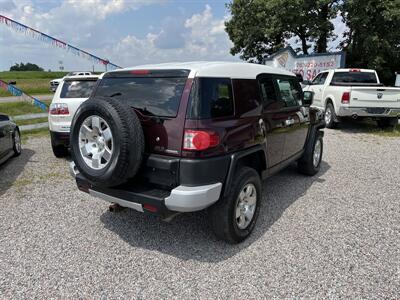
{"points": [[35, 133], [31, 82], [387, 132], [19, 108], [31, 121]]}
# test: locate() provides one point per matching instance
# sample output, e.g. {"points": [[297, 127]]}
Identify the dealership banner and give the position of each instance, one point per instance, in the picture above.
{"points": [[25, 97], [306, 65], [18, 27]]}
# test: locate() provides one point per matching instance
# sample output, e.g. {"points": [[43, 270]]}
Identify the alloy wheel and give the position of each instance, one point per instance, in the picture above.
{"points": [[246, 206], [96, 142]]}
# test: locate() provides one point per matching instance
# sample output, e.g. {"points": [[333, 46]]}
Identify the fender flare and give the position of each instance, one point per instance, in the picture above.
{"points": [[235, 157]]}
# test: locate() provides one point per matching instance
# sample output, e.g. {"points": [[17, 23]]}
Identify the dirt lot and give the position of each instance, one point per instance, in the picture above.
{"points": [[334, 235]]}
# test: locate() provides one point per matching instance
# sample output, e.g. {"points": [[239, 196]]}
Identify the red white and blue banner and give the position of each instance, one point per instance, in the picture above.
{"points": [[19, 93], [18, 27]]}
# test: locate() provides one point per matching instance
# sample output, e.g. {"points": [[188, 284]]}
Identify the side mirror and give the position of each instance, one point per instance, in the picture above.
{"points": [[308, 97], [307, 82]]}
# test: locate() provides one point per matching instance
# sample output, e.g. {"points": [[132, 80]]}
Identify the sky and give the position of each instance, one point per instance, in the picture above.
{"points": [[126, 32]]}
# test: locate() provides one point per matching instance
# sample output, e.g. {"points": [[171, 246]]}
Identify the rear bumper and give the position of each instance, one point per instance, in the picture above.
{"points": [[369, 112], [147, 198], [59, 138]]}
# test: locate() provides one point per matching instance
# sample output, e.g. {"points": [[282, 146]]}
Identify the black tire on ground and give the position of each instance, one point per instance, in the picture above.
{"points": [[332, 123], [128, 141], [306, 164], [222, 214], [59, 151], [388, 123], [17, 142]]}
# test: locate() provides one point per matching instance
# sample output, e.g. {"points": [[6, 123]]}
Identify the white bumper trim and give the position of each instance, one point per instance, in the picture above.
{"points": [[193, 198]]}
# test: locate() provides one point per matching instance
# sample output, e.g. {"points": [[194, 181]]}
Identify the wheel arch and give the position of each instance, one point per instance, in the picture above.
{"points": [[330, 99], [254, 158]]}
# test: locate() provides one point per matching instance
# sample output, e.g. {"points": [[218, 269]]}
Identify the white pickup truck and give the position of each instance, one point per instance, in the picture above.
{"points": [[355, 93]]}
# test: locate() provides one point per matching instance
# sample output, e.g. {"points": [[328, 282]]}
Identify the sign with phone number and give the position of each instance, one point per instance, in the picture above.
{"points": [[306, 65]]}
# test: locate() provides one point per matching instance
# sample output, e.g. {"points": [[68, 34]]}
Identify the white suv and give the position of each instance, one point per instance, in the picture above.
{"points": [[56, 82], [73, 91]]}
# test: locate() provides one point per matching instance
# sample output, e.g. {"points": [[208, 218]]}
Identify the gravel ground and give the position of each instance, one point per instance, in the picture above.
{"points": [[335, 235]]}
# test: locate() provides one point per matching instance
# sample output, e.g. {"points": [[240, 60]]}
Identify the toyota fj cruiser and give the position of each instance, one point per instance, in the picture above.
{"points": [[184, 137]]}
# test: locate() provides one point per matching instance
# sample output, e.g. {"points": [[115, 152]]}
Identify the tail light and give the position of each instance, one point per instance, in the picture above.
{"points": [[355, 70], [59, 109], [346, 98], [200, 140]]}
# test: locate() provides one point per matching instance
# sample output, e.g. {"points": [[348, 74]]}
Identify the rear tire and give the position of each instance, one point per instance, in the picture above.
{"points": [[17, 143], [59, 151], [330, 116], [388, 123], [228, 216], [310, 163]]}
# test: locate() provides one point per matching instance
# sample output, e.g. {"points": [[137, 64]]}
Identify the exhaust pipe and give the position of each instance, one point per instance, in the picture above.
{"points": [[354, 116]]}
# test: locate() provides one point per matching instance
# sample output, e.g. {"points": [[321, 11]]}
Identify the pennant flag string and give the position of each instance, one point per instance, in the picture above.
{"points": [[19, 93], [18, 27]]}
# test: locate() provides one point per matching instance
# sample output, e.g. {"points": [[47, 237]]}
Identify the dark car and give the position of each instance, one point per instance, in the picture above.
{"points": [[172, 138], [10, 139]]}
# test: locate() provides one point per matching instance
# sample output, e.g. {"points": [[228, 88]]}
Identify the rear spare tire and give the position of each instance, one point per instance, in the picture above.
{"points": [[107, 141]]}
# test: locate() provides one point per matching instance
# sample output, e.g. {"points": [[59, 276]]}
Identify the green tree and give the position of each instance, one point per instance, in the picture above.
{"points": [[260, 27], [25, 67], [373, 36]]}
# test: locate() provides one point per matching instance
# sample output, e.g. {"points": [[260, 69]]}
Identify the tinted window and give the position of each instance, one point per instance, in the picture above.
{"points": [[354, 77], [211, 98], [247, 97], [4, 118], [156, 96], [77, 89], [268, 94], [289, 91]]}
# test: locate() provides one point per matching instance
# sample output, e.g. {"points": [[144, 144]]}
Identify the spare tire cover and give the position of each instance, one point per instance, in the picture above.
{"points": [[107, 141]]}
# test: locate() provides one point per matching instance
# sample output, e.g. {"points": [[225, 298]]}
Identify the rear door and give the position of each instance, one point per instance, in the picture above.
{"points": [[273, 117], [159, 98], [296, 116]]}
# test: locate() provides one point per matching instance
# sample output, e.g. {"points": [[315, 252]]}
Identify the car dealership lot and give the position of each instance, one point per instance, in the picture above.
{"points": [[334, 235]]}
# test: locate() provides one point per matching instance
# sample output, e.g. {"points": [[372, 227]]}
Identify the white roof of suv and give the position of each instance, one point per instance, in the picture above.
{"points": [[240, 70], [82, 77]]}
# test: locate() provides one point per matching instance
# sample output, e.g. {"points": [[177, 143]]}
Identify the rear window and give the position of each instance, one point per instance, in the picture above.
{"points": [[354, 77], [77, 88], [211, 98], [153, 96]]}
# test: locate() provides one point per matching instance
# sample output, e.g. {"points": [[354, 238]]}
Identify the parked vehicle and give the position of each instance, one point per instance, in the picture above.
{"points": [[10, 138], [172, 138], [355, 93], [72, 92], [56, 82]]}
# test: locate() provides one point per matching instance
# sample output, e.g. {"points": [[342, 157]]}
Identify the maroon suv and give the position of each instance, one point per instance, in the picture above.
{"points": [[171, 138]]}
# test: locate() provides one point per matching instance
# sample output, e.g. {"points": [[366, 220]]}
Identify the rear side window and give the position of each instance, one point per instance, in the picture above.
{"points": [[354, 77], [211, 98], [290, 92], [320, 79], [151, 95], [77, 89], [247, 97]]}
